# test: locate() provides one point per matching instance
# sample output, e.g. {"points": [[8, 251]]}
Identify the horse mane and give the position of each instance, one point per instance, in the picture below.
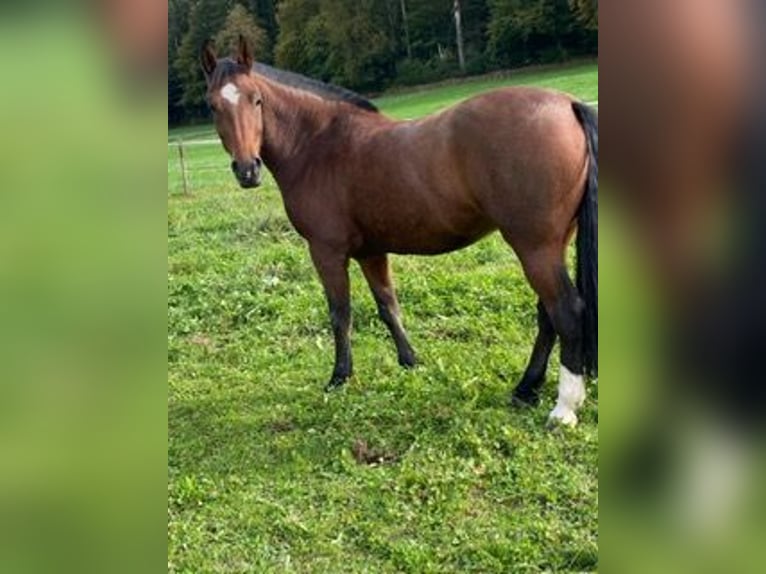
{"points": [[301, 82], [321, 89]]}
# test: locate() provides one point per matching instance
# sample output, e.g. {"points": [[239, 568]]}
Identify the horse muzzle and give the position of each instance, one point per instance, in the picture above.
{"points": [[248, 173]]}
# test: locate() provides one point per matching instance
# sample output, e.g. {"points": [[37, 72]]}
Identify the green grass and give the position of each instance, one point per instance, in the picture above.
{"points": [[262, 475]]}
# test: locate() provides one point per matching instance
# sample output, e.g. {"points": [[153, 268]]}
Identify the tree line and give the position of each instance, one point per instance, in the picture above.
{"points": [[370, 45]]}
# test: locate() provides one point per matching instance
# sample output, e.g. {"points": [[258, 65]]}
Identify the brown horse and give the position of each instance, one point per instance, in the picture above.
{"points": [[358, 185]]}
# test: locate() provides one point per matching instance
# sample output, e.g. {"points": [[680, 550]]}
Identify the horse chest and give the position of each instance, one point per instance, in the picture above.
{"points": [[316, 216]]}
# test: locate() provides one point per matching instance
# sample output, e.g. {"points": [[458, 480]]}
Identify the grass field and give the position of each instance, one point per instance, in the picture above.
{"points": [[266, 473]]}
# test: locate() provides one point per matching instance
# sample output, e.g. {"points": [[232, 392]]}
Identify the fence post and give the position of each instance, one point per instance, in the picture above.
{"points": [[183, 165]]}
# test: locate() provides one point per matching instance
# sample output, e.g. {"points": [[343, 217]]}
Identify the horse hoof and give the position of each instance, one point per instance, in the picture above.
{"points": [[408, 362], [335, 383], [562, 416], [524, 398]]}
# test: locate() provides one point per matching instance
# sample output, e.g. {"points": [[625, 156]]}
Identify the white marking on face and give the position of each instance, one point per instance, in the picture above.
{"points": [[230, 93], [571, 397]]}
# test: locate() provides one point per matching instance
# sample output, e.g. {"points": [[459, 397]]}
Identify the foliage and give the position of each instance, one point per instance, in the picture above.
{"points": [[360, 53], [190, 24], [206, 19], [361, 44], [240, 22], [302, 36], [266, 473], [530, 31], [586, 12], [414, 72]]}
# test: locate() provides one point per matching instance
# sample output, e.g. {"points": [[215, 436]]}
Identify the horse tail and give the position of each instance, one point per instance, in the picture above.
{"points": [[587, 241]]}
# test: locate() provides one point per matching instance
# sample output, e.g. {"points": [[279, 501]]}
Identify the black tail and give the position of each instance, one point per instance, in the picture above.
{"points": [[587, 242]]}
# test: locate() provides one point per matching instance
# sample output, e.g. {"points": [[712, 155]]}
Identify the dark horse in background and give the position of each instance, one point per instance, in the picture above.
{"points": [[358, 185]]}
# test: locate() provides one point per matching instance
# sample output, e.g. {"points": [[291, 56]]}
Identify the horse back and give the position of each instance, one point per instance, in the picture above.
{"points": [[437, 184]]}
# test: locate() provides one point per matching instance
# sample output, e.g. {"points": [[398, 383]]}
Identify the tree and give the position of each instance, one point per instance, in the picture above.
{"points": [[361, 54], [206, 18], [369, 44], [406, 28], [459, 34], [178, 23], [530, 31], [431, 25], [302, 43], [349, 42], [586, 12], [240, 22], [475, 21], [265, 13]]}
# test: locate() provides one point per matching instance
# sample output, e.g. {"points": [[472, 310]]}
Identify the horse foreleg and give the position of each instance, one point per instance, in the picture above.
{"points": [[333, 272], [378, 274]]}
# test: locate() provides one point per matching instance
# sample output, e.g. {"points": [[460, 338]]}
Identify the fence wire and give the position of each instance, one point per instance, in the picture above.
{"points": [[203, 164]]}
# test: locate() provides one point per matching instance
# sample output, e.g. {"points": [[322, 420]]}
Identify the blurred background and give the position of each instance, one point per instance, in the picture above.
{"points": [[82, 288], [682, 300]]}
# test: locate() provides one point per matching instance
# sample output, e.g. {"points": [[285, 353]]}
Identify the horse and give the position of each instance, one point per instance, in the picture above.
{"points": [[358, 185]]}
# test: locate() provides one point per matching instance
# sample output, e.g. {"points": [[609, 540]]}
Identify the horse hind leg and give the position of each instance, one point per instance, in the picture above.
{"points": [[566, 314], [559, 297], [527, 392]]}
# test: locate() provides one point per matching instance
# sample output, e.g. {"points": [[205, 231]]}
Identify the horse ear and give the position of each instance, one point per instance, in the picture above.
{"points": [[208, 59], [244, 53]]}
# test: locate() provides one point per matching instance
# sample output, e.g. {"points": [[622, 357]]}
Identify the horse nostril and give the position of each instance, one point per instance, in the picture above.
{"points": [[248, 172]]}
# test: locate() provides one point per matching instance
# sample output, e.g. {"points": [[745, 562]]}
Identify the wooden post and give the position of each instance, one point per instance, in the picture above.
{"points": [[183, 166]]}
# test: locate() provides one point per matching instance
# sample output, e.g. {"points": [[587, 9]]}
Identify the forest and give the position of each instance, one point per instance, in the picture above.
{"points": [[373, 45]]}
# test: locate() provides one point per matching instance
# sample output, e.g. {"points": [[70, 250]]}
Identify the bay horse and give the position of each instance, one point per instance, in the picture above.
{"points": [[358, 185]]}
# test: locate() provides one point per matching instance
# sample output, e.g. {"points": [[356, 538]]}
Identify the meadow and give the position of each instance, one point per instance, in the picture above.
{"points": [[428, 470]]}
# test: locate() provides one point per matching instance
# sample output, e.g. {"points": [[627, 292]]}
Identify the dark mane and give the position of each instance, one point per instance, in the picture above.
{"points": [[228, 66]]}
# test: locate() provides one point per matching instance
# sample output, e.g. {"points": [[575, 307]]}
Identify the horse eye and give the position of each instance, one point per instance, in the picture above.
{"points": [[258, 102]]}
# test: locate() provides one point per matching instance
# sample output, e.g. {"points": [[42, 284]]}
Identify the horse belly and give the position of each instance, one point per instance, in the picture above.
{"points": [[419, 228], [413, 197], [436, 244]]}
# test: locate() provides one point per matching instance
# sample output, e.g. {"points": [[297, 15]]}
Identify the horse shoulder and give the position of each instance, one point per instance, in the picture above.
{"points": [[317, 213]]}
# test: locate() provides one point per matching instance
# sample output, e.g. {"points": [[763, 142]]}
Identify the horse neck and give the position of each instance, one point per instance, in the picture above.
{"points": [[292, 121]]}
